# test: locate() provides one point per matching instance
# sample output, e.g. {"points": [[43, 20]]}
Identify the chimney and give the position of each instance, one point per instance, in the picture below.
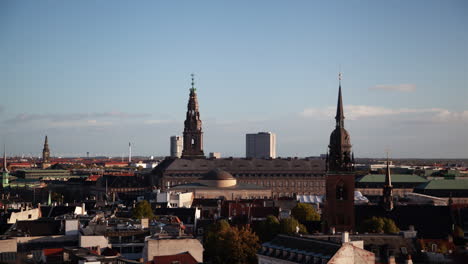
{"points": [[345, 237]]}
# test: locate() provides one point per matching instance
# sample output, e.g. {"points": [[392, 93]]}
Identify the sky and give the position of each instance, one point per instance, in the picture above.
{"points": [[95, 75]]}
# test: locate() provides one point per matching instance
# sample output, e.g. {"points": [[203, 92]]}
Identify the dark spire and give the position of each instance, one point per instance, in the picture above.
{"points": [[340, 158], [193, 135], [339, 108], [388, 177], [388, 189], [46, 151]]}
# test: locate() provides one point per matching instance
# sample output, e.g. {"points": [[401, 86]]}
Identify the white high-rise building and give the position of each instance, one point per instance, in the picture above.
{"points": [[177, 145], [261, 145]]}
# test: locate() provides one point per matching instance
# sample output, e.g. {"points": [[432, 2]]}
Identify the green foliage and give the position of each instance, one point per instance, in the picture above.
{"points": [[305, 212], [289, 226], [268, 229], [142, 210], [390, 226], [230, 245], [379, 225]]}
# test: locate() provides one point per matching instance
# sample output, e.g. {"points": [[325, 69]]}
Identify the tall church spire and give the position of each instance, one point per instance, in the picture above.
{"points": [[340, 157], [46, 151], [193, 135], [339, 108], [388, 189]]}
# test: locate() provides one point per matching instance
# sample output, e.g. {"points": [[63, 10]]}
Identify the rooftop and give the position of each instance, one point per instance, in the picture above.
{"points": [[396, 178], [445, 184]]}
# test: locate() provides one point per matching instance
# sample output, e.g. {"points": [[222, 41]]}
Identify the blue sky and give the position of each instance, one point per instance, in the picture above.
{"points": [[94, 75]]}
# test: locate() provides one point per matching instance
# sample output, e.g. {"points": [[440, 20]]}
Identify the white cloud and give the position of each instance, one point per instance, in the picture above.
{"points": [[354, 112], [395, 87]]}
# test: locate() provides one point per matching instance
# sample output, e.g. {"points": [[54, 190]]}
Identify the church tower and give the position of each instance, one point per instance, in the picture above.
{"points": [[339, 208], [46, 152], [193, 135], [388, 190], [5, 172]]}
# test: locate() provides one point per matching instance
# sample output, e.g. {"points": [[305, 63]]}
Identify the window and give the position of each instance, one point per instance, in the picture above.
{"points": [[29, 216], [434, 247], [340, 191], [404, 251]]}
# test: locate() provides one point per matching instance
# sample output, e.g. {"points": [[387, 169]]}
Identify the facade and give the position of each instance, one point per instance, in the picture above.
{"points": [[176, 146], [339, 208], [193, 135], [217, 184], [284, 177], [261, 145]]}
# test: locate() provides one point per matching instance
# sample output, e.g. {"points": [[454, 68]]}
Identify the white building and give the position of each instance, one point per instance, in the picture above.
{"points": [[261, 145], [175, 199], [177, 145]]}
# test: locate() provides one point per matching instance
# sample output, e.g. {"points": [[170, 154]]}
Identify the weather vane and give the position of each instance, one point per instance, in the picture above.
{"points": [[193, 81]]}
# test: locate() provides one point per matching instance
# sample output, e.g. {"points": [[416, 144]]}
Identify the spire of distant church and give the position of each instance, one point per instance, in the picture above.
{"points": [[46, 151], [388, 177], [193, 135], [388, 189], [340, 157], [339, 108]]}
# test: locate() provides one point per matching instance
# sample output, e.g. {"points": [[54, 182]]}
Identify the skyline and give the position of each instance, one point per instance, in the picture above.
{"points": [[94, 76]]}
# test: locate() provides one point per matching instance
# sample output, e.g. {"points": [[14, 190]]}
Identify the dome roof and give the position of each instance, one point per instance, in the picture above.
{"points": [[217, 174]]}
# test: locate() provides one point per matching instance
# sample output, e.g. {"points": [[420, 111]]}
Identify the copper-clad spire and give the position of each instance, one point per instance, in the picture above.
{"points": [[339, 108]]}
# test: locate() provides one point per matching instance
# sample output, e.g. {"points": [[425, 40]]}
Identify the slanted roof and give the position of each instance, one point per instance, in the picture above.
{"points": [[396, 178], [445, 184], [306, 245], [185, 258], [240, 165]]}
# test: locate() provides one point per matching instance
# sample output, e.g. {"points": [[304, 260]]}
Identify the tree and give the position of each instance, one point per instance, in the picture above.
{"points": [[268, 229], [142, 210], [226, 244], [305, 212], [390, 226], [379, 225], [290, 225]]}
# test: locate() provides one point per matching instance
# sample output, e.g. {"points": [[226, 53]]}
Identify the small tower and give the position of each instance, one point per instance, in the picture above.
{"points": [[388, 189], [193, 135], [339, 207], [5, 172], [46, 154]]}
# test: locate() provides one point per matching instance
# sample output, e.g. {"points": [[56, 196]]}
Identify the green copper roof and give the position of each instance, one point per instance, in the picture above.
{"points": [[396, 178], [445, 184]]}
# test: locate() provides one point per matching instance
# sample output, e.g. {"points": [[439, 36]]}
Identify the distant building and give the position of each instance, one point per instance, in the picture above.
{"points": [[261, 145], [215, 155], [46, 154], [193, 134], [176, 146], [218, 183]]}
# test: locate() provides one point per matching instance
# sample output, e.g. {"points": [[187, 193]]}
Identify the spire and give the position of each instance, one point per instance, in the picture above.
{"points": [[388, 177], [339, 108], [46, 151], [193, 89], [193, 135]]}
